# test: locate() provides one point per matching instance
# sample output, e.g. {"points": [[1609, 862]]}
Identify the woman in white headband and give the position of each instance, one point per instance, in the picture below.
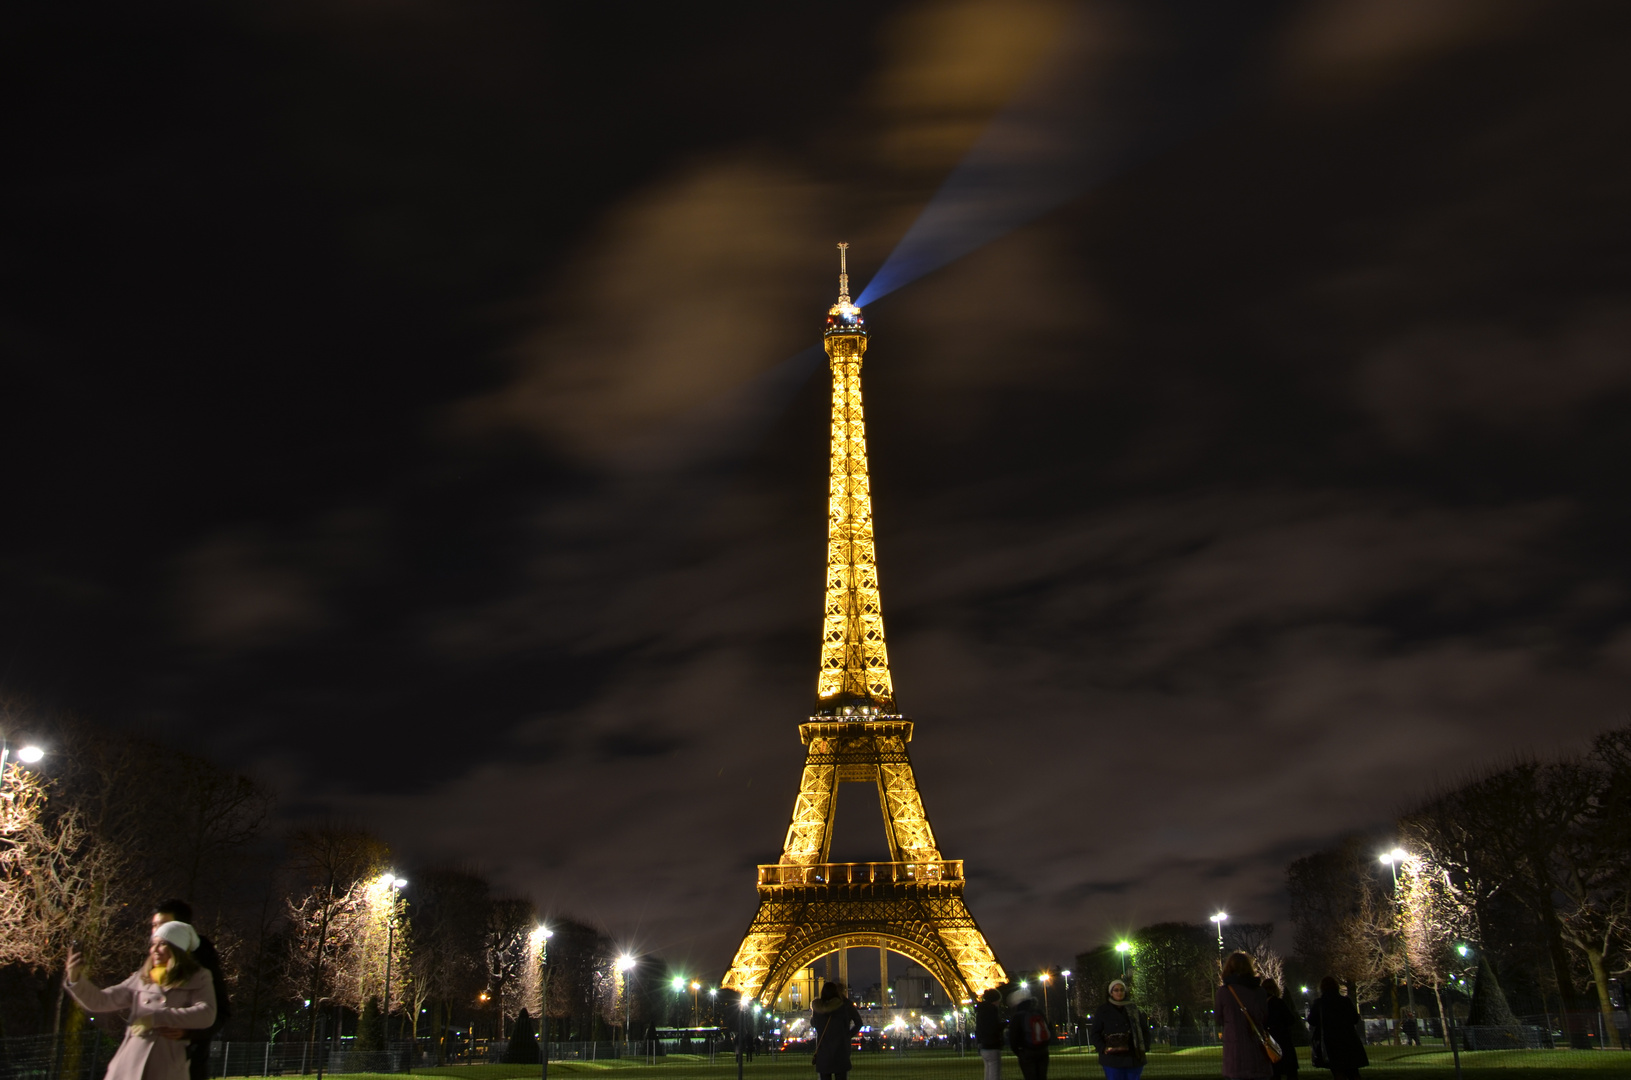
{"points": [[170, 993]]}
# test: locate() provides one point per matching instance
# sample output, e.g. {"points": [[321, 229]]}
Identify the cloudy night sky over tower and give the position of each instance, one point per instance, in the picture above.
{"points": [[421, 406]]}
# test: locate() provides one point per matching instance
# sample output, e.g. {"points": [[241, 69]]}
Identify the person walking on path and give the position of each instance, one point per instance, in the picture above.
{"points": [[836, 1021], [198, 1040], [170, 993], [988, 1033], [1029, 1035], [1241, 1003], [1334, 1033], [1120, 1035], [1282, 1024]]}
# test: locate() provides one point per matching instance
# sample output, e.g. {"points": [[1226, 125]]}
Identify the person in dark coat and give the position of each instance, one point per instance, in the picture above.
{"points": [[835, 1021], [1240, 1003], [1120, 1035], [1026, 1025], [1333, 1030], [988, 1032], [1282, 1024], [198, 1041]]}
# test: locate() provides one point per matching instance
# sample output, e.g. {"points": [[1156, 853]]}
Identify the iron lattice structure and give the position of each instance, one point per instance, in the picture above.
{"points": [[808, 906], [854, 659]]}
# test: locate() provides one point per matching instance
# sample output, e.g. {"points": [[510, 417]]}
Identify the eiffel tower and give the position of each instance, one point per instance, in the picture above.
{"points": [[810, 907]]}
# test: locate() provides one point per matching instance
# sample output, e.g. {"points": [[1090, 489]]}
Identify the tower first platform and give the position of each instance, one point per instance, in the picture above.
{"points": [[808, 906]]}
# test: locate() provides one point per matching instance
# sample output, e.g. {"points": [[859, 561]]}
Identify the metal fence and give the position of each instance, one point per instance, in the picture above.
{"points": [[1529, 1047]]}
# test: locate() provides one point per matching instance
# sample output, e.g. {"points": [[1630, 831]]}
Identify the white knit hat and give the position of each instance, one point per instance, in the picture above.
{"points": [[177, 935]]}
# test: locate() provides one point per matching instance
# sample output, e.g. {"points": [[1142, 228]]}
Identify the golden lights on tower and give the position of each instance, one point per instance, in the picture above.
{"points": [[810, 907], [854, 674]]}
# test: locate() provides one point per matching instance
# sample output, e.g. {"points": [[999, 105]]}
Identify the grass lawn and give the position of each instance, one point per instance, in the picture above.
{"points": [[1387, 1063]]}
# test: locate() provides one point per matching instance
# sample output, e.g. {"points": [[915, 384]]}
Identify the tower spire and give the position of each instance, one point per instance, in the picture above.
{"points": [[854, 677]]}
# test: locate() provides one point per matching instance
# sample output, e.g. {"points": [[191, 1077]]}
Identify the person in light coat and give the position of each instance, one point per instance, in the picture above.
{"points": [[169, 995]]}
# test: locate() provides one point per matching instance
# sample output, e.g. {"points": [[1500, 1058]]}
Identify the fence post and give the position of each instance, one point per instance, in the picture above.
{"points": [[266, 1062]]}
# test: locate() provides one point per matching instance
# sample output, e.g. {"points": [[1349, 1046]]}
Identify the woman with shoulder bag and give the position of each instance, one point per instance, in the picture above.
{"points": [[835, 1021], [1242, 1009], [1120, 1035]]}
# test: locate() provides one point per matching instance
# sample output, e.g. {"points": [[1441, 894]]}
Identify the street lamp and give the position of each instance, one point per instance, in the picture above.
{"points": [[1391, 860], [1069, 1030], [540, 941], [1044, 979], [1218, 920], [392, 884], [625, 964], [1124, 947], [695, 986], [27, 755]]}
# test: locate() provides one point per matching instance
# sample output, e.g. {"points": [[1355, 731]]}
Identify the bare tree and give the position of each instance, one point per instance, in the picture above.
{"points": [[55, 876], [510, 922], [332, 866], [447, 921], [1342, 919]]}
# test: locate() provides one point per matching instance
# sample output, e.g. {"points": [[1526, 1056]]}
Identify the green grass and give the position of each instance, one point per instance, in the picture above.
{"points": [[1074, 1063]]}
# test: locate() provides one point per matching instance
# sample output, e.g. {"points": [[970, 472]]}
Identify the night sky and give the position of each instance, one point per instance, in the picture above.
{"points": [[410, 403]]}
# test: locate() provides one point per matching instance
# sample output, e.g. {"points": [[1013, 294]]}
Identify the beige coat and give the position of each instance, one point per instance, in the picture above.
{"points": [[145, 1055]]}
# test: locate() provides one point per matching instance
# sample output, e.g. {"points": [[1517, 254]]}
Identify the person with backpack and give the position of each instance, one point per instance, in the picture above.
{"points": [[1120, 1035], [198, 1039], [1029, 1035], [988, 1033]]}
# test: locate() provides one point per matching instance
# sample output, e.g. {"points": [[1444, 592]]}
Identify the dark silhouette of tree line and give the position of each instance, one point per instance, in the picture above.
{"points": [[308, 921]]}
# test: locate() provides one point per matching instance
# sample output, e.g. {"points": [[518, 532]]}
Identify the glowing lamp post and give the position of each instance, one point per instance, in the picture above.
{"points": [[392, 884], [1069, 1029], [540, 942], [695, 986], [625, 965], [1218, 920], [1123, 948], [27, 755], [1392, 859]]}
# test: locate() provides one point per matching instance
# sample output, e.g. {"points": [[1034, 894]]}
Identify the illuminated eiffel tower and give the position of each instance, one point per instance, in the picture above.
{"points": [[809, 907]]}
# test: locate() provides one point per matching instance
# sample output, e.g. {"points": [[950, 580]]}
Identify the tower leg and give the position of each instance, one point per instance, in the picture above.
{"points": [[883, 977], [843, 966]]}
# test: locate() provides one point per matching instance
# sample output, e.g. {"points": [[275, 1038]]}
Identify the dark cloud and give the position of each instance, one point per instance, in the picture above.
{"points": [[457, 460]]}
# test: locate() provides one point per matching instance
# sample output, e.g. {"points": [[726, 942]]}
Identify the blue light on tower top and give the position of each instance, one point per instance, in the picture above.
{"points": [[844, 317]]}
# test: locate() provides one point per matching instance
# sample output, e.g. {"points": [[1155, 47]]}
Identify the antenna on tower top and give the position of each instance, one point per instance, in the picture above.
{"points": [[843, 273]]}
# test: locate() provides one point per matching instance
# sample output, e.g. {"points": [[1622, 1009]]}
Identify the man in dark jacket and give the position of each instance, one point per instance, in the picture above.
{"points": [[1333, 1025], [198, 1039], [988, 1033], [1029, 1035]]}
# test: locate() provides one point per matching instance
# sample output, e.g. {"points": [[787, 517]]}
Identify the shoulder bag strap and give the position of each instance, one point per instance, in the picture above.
{"points": [[1252, 1023]]}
